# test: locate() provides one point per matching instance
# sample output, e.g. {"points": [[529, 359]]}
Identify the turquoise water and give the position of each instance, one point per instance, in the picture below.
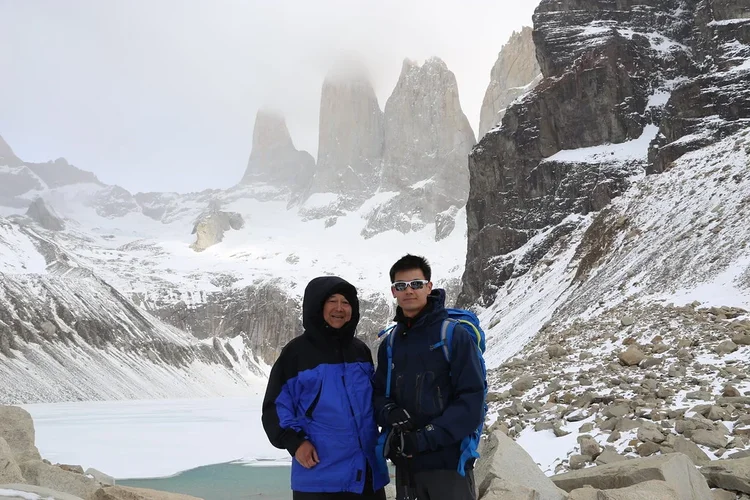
{"points": [[231, 481]]}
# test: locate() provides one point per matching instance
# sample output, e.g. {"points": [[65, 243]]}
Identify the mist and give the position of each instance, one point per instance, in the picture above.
{"points": [[162, 95]]}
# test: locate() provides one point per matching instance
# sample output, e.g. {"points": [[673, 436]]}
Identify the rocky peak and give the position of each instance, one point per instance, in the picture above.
{"points": [[270, 133], [7, 156], [273, 158], [427, 139], [350, 145], [44, 216], [515, 72], [427, 135], [61, 173]]}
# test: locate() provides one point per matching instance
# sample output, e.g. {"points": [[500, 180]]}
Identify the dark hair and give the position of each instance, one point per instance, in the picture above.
{"points": [[409, 262]]}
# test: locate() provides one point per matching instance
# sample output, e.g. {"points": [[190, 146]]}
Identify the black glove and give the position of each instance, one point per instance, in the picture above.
{"points": [[411, 444], [398, 418]]}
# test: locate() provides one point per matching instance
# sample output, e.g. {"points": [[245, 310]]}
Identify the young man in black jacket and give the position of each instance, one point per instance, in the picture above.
{"points": [[434, 403]]}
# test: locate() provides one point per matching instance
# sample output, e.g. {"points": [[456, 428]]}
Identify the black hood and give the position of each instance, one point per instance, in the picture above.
{"points": [[316, 293]]}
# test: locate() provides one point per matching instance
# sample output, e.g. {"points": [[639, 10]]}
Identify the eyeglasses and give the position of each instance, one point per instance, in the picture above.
{"points": [[400, 286]]}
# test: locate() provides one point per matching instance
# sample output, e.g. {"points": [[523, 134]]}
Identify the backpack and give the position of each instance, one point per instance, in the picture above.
{"points": [[470, 322]]}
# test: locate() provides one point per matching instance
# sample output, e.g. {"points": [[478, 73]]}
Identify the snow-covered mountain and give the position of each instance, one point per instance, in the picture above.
{"points": [[96, 280]]}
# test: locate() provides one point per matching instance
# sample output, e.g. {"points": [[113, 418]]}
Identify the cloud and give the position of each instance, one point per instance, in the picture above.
{"points": [[162, 94]]}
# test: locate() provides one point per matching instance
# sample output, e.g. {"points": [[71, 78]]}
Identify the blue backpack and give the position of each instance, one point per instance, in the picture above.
{"points": [[470, 322]]}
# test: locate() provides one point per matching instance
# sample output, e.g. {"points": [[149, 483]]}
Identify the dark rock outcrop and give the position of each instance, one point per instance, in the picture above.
{"points": [[606, 67], [42, 215]]}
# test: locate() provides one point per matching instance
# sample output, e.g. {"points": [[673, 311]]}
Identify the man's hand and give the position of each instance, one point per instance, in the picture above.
{"points": [[398, 418], [307, 455]]}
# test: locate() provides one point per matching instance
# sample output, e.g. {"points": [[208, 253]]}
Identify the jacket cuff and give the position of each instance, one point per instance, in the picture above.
{"points": [[423, 444], [292, 440]]}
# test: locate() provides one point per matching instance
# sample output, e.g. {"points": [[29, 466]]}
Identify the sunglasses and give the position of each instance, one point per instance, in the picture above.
{"points": [[400, 286]]}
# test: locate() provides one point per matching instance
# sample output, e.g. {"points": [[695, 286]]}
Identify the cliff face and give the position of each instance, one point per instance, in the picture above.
{"points": [[614, 73], [350, 145], [515, 72], [427, 140]]}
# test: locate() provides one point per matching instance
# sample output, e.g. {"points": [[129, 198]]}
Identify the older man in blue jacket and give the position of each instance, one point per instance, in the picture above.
{"points": [[318, 402], [434, 403]]}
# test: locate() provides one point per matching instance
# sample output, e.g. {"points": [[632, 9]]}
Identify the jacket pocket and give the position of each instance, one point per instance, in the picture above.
{"points": [[311, 407]]}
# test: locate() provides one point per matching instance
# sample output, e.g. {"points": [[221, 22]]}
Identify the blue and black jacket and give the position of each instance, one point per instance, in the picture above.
{"points": [[445, 399], [320, 389]]}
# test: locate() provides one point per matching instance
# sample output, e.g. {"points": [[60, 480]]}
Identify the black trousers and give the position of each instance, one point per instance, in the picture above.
{"points": [[367, 493], [441, 485], [301, 495]]}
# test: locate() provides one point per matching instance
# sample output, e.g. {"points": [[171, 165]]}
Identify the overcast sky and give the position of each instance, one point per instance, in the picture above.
{"points": [[161, 95]]}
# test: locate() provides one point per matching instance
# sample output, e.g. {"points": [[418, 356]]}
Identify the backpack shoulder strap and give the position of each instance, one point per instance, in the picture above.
{"points": [[446, 337], [389, 350]]}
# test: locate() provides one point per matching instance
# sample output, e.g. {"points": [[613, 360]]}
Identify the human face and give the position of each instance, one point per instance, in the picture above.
{"points": [[337, 311], [411, 301]]}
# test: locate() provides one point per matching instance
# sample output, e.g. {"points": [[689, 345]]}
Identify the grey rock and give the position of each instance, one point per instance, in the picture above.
{"points": [[17, 429], [729, 474], [711, 439], [609, 456], [505, 460], [9, 471], [37, 491], [589, 446], [631, 356], [523, 384], [100, 476], [648, 490], [131, 493], [212, 225], [726, 347], [675, 469], [691, 450], [49, 476]]}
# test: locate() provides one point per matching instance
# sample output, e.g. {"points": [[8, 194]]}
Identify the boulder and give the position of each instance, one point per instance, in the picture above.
{"points": [[130, 493], [26, 490], [40, 473], [675, 469], [505, 467], [17, 428], [500, 489], [650, 490], [631, 356], [9, 471], [210, 227], [729, 474], [100, 476]]}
